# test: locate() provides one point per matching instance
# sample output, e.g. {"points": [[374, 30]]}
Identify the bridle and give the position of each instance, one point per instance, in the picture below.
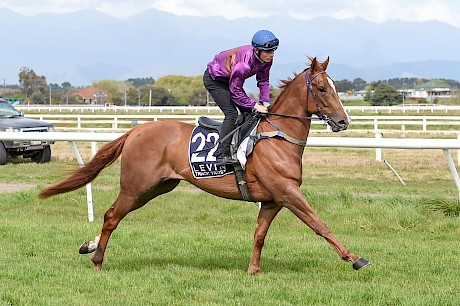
{"points": [[309, 84], [310, 88], [278, 132]]}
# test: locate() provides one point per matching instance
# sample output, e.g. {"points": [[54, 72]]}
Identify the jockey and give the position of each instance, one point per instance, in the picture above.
{"points": [[224, 79]]}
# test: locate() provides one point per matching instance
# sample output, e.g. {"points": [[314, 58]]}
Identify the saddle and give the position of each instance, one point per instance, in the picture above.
{"points": [[245, 125]]}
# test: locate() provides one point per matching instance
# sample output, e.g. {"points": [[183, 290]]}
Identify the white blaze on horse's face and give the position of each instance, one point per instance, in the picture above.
{"points": [[331, 82]]}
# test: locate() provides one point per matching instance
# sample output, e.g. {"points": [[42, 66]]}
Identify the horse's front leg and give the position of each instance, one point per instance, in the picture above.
{"points": [[293, 199], [267, 213]]}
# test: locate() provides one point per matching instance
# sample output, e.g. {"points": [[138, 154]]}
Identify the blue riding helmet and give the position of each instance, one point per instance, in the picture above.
{"points": [[265, 40]]}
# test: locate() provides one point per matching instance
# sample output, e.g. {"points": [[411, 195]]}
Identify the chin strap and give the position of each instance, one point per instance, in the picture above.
{"points": [[258, 56]]}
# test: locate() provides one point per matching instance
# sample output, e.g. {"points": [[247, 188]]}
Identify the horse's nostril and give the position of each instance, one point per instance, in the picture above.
{"points": [[342, 123]]}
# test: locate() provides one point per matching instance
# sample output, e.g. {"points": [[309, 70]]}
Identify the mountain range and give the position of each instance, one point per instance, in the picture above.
{"points": [[87, 45]]}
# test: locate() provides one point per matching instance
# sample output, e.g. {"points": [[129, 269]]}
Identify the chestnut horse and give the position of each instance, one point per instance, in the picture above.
{"points": [[155, 159]]}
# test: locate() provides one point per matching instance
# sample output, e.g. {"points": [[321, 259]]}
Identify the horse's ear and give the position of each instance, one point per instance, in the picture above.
{"points": [[314, 65], [326, 62]]}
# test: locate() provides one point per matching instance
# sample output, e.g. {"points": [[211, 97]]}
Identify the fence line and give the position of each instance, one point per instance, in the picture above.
{"points": [[114, 108], [344, 142], [406, 124], [208, 109], [418, 108]]}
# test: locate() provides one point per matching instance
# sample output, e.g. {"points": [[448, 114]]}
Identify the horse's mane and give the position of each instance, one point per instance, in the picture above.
{"points": [[284, 84]]}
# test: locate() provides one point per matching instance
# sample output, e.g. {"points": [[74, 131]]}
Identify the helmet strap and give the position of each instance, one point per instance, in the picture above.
{"points": [[258, 53]]}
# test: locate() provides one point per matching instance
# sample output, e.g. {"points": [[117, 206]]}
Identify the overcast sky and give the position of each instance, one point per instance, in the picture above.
{"points": [[374, 10]]}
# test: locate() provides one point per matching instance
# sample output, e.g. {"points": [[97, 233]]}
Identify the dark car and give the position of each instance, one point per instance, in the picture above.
{"points": [[12, 120]]}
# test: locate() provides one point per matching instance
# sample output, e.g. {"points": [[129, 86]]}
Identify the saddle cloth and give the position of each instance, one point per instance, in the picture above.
{"points": [[204, 142]]}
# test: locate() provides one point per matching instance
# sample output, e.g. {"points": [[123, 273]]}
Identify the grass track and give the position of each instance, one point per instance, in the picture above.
{"points": [[191, 248]]}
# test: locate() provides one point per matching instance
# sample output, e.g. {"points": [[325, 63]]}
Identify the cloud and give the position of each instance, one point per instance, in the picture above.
{"points": [[230, 9], [381, 11], [437, 10], [373, 10]]}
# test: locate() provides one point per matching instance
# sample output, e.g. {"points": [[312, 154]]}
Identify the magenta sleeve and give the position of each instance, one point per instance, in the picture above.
{"points": [[240, 73], [263, 82]]}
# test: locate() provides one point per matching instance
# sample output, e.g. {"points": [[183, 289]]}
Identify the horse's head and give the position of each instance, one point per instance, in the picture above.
{"points": [[322, 98]]}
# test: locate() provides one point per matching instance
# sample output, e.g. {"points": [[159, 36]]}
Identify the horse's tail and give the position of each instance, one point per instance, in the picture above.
{"points": [[80, 177]]}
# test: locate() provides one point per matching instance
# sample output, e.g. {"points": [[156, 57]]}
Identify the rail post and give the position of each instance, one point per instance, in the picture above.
{"points": [[89, 192], [378, 151]]}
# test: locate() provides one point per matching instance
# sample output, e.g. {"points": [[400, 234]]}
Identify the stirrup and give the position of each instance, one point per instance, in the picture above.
{"points": [[226, 160]]}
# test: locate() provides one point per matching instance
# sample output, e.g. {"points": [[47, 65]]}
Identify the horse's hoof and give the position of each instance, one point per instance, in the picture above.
{"points": [[254, 271], [97, 268], [360, 263], [87, 247]]}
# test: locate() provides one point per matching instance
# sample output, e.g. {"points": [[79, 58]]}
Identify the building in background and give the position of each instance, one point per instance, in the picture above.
{"points": [[91, 95]]}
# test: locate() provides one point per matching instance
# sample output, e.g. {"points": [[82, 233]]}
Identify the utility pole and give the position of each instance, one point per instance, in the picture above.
{"points": [[403, 93], [150, 98], [49, 85], [125, 93]]}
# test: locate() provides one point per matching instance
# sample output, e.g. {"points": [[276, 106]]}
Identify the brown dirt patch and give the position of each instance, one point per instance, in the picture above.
{"points": [[14, 187]]}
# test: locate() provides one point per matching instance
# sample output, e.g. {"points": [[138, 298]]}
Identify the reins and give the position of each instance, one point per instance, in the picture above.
{"points": [[278, 132], [292, 116]]}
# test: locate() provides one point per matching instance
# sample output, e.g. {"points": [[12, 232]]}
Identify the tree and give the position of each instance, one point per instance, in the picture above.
{"points": [[359, 84], [66, 85], [139, 82], [384, 94], [198, 97], [162, 97], [144, 92], [371, 86], [343, 85], [55, 88], [37, 98], [32, 83], [180, 87], [115, 90], [274, 93]]}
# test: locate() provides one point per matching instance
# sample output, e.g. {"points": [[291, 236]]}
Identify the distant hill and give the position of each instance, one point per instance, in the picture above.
{"points": [[87, 45]]}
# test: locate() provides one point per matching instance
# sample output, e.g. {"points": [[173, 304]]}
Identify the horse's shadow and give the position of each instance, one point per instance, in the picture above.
{"points": [[207, 262]]}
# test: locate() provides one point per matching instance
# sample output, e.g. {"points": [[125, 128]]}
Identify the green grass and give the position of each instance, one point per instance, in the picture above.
{"points": [[191, 248]]}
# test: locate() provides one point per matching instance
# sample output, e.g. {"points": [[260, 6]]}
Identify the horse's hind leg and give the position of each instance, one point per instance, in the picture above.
{"points": [[267, 213], [124, 204], [89, 246]]}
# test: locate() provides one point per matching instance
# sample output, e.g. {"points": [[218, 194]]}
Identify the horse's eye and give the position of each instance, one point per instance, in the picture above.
{"points": [[322, 89]]}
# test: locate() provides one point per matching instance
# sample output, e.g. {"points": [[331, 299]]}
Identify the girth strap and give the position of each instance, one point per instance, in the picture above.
{"points": [[242, 183], [271, 134]]}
